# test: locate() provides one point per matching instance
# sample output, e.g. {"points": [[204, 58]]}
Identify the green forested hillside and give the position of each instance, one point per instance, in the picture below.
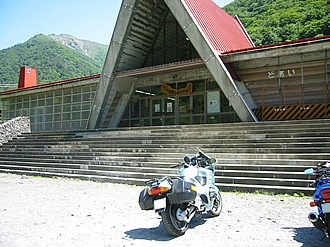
{"points": [[274, 21], [89, 48], [53, 61]]}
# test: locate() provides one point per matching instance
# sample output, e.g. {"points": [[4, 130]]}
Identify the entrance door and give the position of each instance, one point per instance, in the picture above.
{"points": [[184, 109], [163, 111], [191, 109], [179, 109]]}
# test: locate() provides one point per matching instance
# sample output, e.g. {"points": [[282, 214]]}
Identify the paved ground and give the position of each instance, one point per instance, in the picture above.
{"points": [[38, 211]]}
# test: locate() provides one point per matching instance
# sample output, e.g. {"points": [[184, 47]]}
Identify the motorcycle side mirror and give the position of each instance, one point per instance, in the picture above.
{"points": [[309, 171], [186, 159]]}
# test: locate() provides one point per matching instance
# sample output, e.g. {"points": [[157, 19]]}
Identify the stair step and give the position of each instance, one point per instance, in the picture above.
{"points": [[268, 156]]}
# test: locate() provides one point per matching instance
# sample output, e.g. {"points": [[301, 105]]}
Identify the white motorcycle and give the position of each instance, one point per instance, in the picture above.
{"points": [[178, 199]]}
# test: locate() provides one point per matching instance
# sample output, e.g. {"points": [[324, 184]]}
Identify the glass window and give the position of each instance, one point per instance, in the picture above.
{"points": [[199, 86], [76, 98], [198, 119], [75, 124], [135, 109], [76, 107], [85, 97], [66, 125], [48, 126], [198, 104], [58, 93], [67, 99], [66, 116], [57, 125], [49, 101], [76, 115], [86, 106], [212, 85], [170, 106], [76, 90], [67, 92], [85, 114], [157, 109], [157, 121], [67, 108], [145, 107], [58, 108], [155, 90], [49, 118], [184, 105], [40, 111], [33, 104], [58, 100], [225, 106], [41, 102], [212, 119], [49, 95], [57, 117], [19, 105]]}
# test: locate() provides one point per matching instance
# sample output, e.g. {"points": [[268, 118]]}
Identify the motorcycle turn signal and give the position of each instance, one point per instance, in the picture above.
{"points": [[312, 204]]}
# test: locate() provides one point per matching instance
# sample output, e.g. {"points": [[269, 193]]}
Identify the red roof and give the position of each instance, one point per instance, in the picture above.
{"points": [[51, 84], [224, 32], [325, 38]]}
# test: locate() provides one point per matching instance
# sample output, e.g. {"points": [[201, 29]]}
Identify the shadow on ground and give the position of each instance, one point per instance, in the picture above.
{"points": [[159, 233], [310, 237]]}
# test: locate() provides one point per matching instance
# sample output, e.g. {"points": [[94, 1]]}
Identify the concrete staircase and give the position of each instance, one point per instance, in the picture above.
{"points": [[269, 156]]}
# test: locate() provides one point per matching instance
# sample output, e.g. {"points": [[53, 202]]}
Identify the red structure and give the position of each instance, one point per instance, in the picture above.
{"points": [[27, 77], [224, 32]]}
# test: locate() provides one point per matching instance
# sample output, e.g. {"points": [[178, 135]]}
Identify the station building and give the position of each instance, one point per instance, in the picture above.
{"points": [[173, 62]]}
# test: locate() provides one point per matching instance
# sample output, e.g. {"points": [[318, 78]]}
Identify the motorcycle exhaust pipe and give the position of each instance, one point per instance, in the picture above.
{"points": [[316, 221], [313, 217]]}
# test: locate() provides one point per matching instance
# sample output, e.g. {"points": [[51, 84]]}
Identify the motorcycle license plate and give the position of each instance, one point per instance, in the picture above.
{"points": [[160, 204], [325, 207]]}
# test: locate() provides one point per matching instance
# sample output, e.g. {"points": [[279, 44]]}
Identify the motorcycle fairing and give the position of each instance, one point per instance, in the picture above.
{"points": [[322, 184]]}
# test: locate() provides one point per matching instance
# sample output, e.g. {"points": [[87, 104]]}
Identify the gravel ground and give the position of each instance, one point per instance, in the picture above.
{"points": [[38, 211]]}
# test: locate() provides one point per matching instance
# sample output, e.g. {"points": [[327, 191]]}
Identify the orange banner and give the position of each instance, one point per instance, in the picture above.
{"points": [[167, 89]]}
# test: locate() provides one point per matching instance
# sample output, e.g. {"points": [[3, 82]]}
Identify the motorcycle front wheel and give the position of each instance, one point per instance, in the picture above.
{"points": [[172, 224], [217, 206]]}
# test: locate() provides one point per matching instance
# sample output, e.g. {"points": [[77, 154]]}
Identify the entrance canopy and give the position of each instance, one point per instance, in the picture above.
{"points": [[152, 33]]}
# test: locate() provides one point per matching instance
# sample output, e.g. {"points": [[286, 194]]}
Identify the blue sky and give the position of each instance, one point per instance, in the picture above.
{"points": [[84, 19]]}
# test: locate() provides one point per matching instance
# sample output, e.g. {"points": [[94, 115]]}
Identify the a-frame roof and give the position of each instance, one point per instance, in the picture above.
{"points": [[224, 32], [140, 29], [145, 30]]}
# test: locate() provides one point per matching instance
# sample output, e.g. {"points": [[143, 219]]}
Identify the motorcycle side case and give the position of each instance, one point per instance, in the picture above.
{"points": [[182, 192], [146, 202]]}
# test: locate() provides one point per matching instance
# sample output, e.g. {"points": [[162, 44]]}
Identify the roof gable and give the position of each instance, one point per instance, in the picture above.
{"points": [[146, 35], [224, 32]]}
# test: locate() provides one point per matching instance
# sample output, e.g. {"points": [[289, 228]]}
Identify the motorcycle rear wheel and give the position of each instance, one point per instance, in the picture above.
{"points": [[217, 206], [172, 224], [327, 225]]}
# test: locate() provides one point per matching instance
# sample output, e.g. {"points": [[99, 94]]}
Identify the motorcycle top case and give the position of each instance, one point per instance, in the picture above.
{"points": [[146, 202], [182, 192]]}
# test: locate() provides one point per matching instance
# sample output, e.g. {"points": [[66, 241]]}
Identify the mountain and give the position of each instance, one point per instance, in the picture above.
{"points": [[54, 60], [274, 21], [91, 49]]}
